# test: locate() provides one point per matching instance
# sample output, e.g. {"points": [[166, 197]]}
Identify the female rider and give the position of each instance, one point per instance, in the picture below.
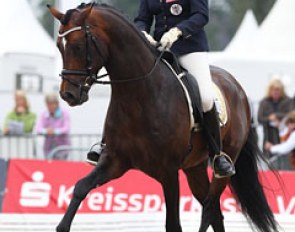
{"points": [[179, 26]]}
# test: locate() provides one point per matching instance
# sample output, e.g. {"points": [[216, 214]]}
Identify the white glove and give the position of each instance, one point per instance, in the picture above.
{"points": [[150, 38], [170, 37]]}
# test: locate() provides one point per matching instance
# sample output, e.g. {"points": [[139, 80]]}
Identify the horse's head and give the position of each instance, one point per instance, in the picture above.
{"points": [[82, 45]]}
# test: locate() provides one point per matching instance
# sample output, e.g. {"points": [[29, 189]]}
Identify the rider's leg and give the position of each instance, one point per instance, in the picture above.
{"points": [[197, 64]]}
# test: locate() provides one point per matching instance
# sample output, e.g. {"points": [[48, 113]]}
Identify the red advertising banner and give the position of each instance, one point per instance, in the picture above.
{"points": [[47, 186]]}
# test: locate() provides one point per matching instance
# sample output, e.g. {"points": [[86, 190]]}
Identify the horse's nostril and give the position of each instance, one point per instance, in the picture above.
{"points": [[67, 95]]}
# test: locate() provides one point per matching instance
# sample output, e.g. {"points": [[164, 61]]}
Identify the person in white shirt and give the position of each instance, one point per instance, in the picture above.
{"points": [[287, 146]]}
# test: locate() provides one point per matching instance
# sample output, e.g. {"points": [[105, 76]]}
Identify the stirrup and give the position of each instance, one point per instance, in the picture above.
{"points": [[93, 156], [227, 157]]}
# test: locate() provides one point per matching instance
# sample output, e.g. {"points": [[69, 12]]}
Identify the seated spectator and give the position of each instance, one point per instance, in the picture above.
{"points": [[287, 146], [54, 123], [272, 109], [20, 120]]}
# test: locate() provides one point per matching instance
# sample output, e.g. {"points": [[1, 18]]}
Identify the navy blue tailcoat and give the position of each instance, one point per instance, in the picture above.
{"points": [[190, 16]]}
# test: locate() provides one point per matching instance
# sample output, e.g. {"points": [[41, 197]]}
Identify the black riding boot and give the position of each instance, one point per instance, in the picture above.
{"points": [[221, 163]]}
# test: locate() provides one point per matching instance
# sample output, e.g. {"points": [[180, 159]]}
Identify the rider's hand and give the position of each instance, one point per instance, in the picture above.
{"points": [[170, 37], [150, 38]]}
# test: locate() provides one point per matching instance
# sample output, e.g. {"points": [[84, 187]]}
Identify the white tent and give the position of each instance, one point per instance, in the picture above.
{"points": [[277, 35], [247, 30], [269, 53], [27, 53]]}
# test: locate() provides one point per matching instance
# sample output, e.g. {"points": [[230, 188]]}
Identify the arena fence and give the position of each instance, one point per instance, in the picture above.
{"points": [[31, 146]]}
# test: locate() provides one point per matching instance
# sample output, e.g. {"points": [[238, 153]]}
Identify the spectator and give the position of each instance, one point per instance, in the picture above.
{"points": [[20, 120], [54, 123], [272, 109], [288, 144]]}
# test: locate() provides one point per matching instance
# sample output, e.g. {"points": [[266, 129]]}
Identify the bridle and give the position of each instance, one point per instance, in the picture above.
{"points": [[91, 76]]}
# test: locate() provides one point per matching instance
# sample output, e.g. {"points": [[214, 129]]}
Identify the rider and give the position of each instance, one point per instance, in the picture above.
{"points": [[179, 26]]}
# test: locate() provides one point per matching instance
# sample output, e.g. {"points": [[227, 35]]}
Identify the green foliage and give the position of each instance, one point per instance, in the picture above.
{"points": [[261, 8], [224, 22], [46, 18], [129, 7]]}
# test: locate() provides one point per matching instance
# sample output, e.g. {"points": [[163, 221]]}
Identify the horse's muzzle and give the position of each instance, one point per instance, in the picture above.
{"points": [[72, 100]]}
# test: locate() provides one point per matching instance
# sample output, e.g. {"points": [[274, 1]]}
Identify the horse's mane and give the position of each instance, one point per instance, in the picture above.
{"points": [[114, 11]]}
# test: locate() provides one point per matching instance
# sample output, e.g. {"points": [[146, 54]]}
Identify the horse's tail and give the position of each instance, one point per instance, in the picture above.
{"points": [[247, 189]]}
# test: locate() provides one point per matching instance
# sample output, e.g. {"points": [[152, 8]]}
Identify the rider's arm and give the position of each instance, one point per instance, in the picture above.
{"points": [[198, 19], [144, 19]]}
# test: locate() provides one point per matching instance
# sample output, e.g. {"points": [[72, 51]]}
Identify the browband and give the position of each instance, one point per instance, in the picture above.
{"points": [[69, 31]]}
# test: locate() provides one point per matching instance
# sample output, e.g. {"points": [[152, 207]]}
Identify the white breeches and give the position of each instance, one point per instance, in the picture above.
{"points": [[197, 64]]}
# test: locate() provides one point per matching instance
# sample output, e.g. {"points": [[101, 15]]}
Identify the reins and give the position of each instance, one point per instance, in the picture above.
{"points": [[97, 81]]}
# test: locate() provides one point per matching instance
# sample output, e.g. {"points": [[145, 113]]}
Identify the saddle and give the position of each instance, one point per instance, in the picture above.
{"points": [[192, 91], [189, 83]]}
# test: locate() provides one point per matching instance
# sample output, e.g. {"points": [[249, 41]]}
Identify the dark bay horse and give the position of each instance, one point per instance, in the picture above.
{"points": [[148, 125]]}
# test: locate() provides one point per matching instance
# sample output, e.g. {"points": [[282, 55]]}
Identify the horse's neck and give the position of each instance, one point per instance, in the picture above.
{"points": [[129, 55], [129, 61]]}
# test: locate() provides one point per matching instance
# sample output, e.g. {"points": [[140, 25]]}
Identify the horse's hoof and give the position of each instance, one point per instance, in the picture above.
{"points": [[60, 228]]}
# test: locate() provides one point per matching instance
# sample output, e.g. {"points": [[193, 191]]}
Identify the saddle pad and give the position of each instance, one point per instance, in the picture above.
{"points": [[219, 103], [220, 107]]}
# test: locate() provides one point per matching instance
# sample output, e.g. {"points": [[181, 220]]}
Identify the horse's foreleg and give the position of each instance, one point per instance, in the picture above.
{"points": [[170, 186], [105, 171]]}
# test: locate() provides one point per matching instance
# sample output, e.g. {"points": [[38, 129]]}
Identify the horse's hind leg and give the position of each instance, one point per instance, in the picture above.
{"points": [[211, 208], [106, 170], [170, 184], [199, 184]]}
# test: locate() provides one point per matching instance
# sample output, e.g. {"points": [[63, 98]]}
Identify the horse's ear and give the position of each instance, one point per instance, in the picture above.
{"points": [[57, 14], [84, 13]]}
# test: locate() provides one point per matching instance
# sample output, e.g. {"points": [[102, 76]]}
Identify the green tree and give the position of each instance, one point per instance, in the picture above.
{"points": [[43, 15], [129, 7], [225, 21], [261, 8], [46, 18]]}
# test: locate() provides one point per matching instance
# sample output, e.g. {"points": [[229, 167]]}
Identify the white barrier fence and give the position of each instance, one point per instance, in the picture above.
{"points": [[143, 222]]}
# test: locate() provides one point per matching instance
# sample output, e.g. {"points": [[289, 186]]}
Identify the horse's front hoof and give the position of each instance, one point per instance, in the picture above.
{"points": [[61, 228]]}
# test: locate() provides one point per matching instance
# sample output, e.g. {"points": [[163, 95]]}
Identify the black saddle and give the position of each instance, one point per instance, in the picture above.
{"points": [[189, 82]]}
